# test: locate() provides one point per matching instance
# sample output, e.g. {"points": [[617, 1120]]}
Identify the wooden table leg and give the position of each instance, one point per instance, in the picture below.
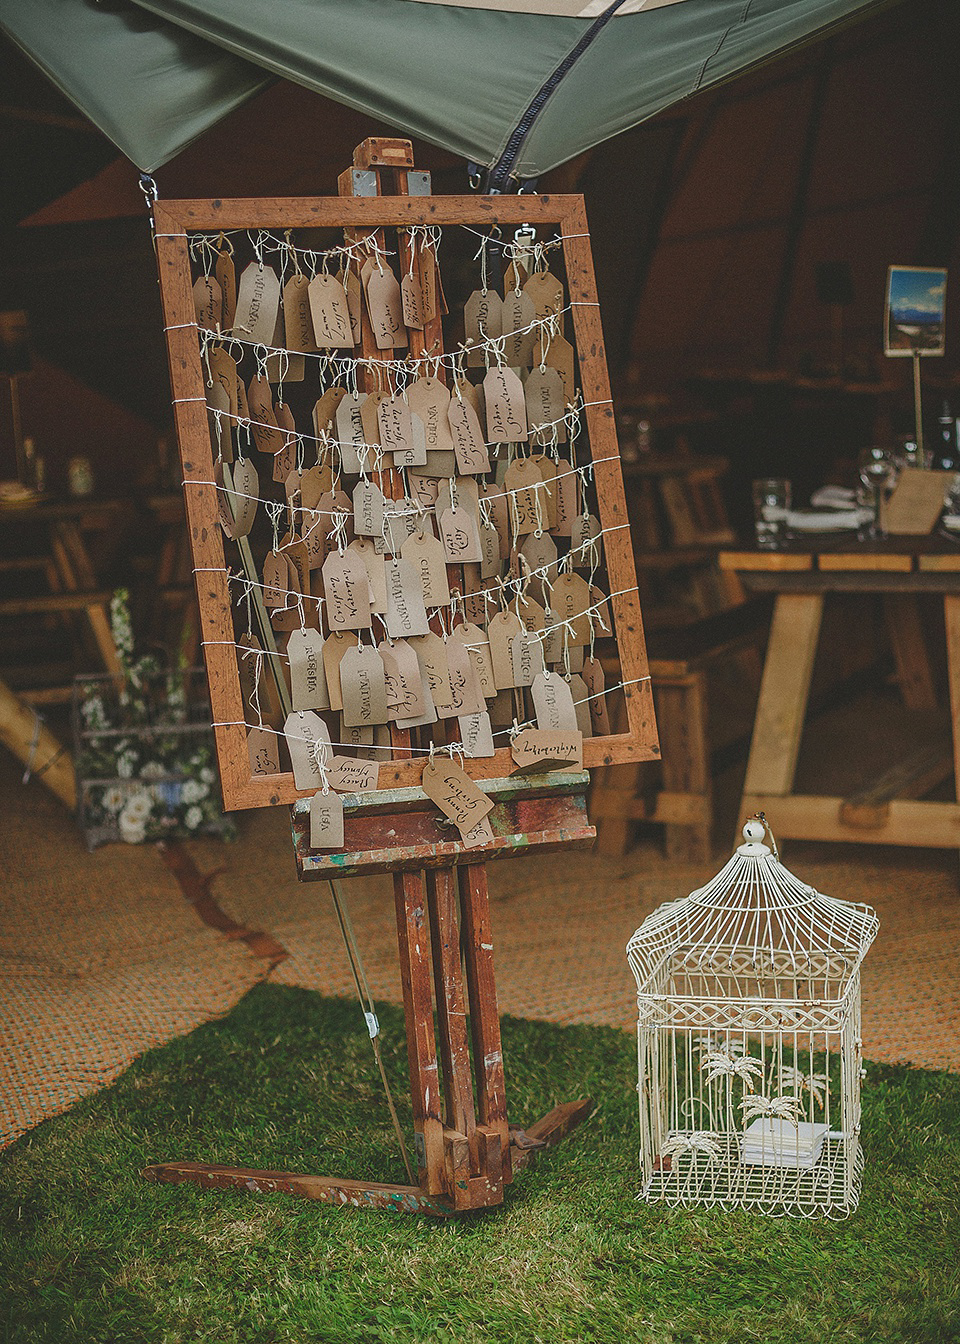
{"points": [[77, 574], [782, 706], [902, 612]]}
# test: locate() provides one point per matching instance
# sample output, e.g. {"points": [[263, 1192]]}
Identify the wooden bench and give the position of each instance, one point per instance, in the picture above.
{"points": [[680, 662]]}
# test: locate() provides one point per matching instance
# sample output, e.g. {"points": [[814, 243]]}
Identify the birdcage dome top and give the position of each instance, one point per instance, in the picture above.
{"points": [[756, 905]]}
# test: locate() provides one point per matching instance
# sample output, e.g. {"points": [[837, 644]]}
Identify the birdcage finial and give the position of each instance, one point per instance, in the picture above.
{"points": [[753, 833]]}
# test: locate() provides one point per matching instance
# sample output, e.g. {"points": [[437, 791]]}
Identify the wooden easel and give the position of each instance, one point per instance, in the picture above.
{"points": [[466, 1150]]}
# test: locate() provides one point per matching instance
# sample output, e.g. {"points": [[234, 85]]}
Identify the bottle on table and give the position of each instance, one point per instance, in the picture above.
{"points": [[946, 453]]}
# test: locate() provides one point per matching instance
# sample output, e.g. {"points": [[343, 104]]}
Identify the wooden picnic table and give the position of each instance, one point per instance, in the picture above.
{"points": [[891, 809]]}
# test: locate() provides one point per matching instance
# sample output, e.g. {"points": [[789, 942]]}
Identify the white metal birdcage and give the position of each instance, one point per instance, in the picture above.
{"points": [[748, 1036]]}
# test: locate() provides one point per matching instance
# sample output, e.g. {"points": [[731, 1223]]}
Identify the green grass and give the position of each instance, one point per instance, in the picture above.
{"points": [[90, 1252]]}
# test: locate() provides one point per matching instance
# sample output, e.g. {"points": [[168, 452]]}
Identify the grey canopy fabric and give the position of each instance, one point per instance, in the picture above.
{"points": [[154, 74]]}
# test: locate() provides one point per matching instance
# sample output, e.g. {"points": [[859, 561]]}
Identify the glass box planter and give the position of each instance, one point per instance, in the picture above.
{"points": [[145, 759]]}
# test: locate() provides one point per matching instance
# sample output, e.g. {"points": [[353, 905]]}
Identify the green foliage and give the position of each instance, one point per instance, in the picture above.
{"points": [[90, 1252]]}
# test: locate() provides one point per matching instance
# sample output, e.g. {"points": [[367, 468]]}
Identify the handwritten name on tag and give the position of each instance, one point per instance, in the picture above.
{"points": [[476, 734], [385, 306], [482, 320], [226, 274], [404, 680], [263, 421], [329, 313], [461, 537], [524, 486], [471, 451], [348, 775], [208, 302], [506, 408], [503, 627], [406, 613], [238, 505], [263, 749], [258, 304], [595, 682], [347, 591], [455, 793], [326, 821], [376, 573], [308, 742], [431, 654], [534, 750], [308, 682], [363, 687]]}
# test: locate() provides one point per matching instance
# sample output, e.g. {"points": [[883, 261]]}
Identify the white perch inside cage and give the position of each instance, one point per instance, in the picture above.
{"points": [[749, 1047]]}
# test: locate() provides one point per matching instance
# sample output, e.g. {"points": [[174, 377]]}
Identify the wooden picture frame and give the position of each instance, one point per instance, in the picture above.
{"points": [[175, 222]]}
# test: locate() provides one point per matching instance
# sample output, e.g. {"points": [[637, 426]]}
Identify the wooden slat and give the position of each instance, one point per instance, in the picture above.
{"points": [[910, 651], [47, 602], [865, 562], [773, 562], [940, 564], [460, 1113], [33, 743], [951, 614], [814, 817]]}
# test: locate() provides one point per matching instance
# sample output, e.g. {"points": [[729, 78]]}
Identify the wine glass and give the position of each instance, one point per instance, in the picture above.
{"points": [[877, 470]]}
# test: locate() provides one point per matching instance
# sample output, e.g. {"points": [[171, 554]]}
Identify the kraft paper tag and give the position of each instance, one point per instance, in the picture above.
{"points": [[347, 591], [376, 572], [329, 313], [570, 598], [553, 640], [540, 554], [415, 453], [395, 426], [566, 496], [559, 356], [465, 694], [428, 714], [406, 613], [500, 632], [526, 508], [585, 541], [401, 518], [548, 495], [385, 306], [470, 392], [238, 506], [506, 409], [432, 656], [263, 749], [543, 394], [308, 741], [490, 562], [360, 735], [534, 751], [277, 581], [380, 749], [480, 834], [525, 657], [424, 491], [412, 301], [348, 775], [223, 371], [371, 428], [595, 682], [334, 647], [600, 616], [476, 734], [430, 400], [553, 703], [404, 680], [308, 682], [465, 494], [226, 274], [475, 641], [354, 289], [367, 509], [258, 304], [326, 821], [532, 616], [581, 703], [471, 451], [917, 501], [363, 687], [546, 294], [285, 460], [297, 322], [350, 431], [498, 511], [208, 302], [460, 536], [325, 410], [519, 315], [482, 320], [426, 554], [455, 793], [283, 366], [263, 421]]}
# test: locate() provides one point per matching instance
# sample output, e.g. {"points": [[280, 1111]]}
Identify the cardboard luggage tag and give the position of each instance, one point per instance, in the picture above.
{"points": [[208, 302], [384, 305], [395, 426], [543, 395], [371, 430], [424, 491], [412, 299], [553, 703], [502, 709], [585, 534], [376, 572], [345, 774], [500, 632], [367, 509], [258, 304], [498, 511], [540, 554], [353, 289], [581, 703], [308, 742], [350, 431], [533, 617], [346, 589], [434, 303], [414, 455], [308, 682], [460, 536], [535, 751], [430, 400], [238, 506], [482, 321], [505, 406], [223, 371], [570, 598], [401, 518], [428, 714], [297, 322], [600, 612], [553, 638], [329, 506], [363, 687], [468, 445], [455, 793], [326, 821], [547, 468], [360, 735], [431, 654], [480, 834], [595, 682], [295, 553], [464, 494], [474, 640], [465, 694], [285, 460], [315, 482], [406, 613], [526, 658], [283, 365], [566, 497], [404, 680], [226, 274], [329, 313], [426, 554], [474, 394], [491, 565], [249, 667], [263, 421], [545, 292], [276, 581], [263, 750], [519, 332], [557, 353], [325, 411], [524, 486], [334, 647], [476, 735]]}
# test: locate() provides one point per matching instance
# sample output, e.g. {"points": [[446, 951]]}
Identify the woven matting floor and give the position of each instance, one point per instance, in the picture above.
{"points": [[101, 956]]}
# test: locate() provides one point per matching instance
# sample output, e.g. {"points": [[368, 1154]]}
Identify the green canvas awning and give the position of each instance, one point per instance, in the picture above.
{"points": [[510, 88]]}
